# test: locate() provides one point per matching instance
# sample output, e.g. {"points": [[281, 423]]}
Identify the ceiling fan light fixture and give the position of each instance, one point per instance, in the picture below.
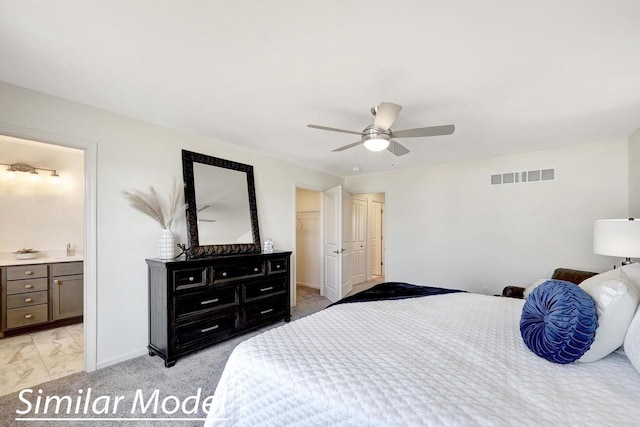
{"points": [[376, 144]]}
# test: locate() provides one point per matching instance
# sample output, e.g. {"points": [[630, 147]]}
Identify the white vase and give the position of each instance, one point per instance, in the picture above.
{"points": [[166, 244]]}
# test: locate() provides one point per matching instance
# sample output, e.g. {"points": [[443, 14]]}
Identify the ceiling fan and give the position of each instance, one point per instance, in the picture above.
{"points": [[379, 135]]}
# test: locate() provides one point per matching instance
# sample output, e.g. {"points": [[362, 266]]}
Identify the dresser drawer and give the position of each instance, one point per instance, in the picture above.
{"points": [[206, 329], [276, 266], [29, 285], [26, 271], [189, 278], [215, 299], [259, 312], [28, 299], [252, 291], [67, 268], [25, 316], [230, 271]]}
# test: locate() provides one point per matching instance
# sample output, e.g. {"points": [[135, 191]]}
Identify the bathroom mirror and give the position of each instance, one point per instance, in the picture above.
{"points": [[222, 217]]}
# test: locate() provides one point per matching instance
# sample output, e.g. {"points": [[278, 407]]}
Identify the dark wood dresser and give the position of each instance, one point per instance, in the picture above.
{"points": [[199, 302]]}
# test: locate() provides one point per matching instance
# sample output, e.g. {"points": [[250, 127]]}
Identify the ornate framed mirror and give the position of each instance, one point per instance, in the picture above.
{"points": [[222, 215]]}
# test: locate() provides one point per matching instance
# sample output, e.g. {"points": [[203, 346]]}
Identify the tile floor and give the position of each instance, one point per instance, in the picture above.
{"points": [[31, 359]]}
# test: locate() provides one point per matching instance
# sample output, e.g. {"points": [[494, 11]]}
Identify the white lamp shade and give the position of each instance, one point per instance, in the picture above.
{"points": [[617, 237], [376, 144]]}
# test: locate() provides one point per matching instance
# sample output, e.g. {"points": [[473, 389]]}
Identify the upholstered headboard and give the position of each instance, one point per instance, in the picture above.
{"points": [[568, 274]]}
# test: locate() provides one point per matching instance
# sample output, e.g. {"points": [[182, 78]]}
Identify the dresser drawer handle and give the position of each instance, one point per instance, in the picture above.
{"points": [[256, 269], [224, 274], [209, 329], [266, 311], [28, 300], [278, 266], [266, 289], [28, 273], [209, 301], [191, 278], [28, 286], [27, 316]]}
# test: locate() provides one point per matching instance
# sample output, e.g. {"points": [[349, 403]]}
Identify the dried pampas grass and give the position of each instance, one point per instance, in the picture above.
{"points": [[151, 204]]}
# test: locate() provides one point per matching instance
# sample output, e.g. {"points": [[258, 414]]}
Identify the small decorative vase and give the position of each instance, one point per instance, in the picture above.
{"points": [[166, 244]]}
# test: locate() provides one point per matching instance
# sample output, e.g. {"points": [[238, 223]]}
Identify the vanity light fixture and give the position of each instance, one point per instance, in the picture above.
{"points": [[33, 170]]}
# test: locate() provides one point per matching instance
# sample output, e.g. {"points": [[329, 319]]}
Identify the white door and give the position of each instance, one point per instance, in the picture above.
{"points": [[358, 240], [335, 254], [377, 258], [347, 283]]}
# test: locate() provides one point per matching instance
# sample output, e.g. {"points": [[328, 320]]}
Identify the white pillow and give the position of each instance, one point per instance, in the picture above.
{"points": [[632, 341], [534, 285], [617, 300]]}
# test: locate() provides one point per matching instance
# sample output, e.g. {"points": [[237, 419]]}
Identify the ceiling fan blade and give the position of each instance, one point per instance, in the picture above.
{"points": [[334, 129], [397, 148], [346, 147], [429, 131], [387, 114]]}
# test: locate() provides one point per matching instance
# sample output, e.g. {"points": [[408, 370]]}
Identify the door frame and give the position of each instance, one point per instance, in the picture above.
{"points": [[294, 272], [90, 148]]}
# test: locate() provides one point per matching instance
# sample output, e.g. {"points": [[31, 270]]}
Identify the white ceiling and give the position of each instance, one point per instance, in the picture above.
{"points": [[512, 76]]}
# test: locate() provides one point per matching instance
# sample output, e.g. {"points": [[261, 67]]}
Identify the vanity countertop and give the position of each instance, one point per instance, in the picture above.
{"points": [[4, 262]]}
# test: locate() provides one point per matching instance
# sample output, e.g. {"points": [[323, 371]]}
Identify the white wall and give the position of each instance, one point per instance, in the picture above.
{"points": [[634, 175], [308, 238], [446, 225], [41, 215], [133, 154]]}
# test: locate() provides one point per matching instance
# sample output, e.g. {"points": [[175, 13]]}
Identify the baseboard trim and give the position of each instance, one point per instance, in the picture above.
{"points": [[308, 285], [123, 358]]}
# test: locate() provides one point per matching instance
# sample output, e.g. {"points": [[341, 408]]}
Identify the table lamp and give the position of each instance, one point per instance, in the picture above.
{"points": [[617, 238]]}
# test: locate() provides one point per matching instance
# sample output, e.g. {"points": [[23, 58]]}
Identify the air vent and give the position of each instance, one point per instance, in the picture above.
{"points": [[525, 176]]}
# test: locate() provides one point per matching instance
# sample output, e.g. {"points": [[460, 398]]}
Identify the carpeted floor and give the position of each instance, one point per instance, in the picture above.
{"points": [[200, 370]]}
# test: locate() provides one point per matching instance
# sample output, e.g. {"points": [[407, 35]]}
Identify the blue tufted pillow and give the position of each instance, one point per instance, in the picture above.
{"points": [[559, 321]]}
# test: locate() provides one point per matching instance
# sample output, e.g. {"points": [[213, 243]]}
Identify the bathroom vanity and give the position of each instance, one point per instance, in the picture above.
{"points": [[40, 293]]}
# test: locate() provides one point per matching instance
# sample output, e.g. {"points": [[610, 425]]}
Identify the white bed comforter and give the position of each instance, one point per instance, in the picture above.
{"points": [[446, 360]]}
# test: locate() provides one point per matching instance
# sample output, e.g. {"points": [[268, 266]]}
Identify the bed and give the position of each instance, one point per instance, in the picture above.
{"points": [[444, 360]]}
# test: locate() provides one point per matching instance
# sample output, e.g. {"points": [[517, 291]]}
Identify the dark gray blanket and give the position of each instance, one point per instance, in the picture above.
{"points": [[394, 290]]}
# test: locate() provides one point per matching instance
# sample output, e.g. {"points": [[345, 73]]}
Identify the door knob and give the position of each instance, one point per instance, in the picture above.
{"points": [[336, 252]]}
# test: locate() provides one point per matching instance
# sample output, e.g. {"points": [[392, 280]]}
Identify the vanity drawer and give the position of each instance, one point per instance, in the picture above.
{"points": [[67, 268], [206, 329], [276, 266], [230, 271], [258, 312], [257, 290], [24, 316], [28, 299], [212, 300], [26, 271], [29, 285], [191, 278]]}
